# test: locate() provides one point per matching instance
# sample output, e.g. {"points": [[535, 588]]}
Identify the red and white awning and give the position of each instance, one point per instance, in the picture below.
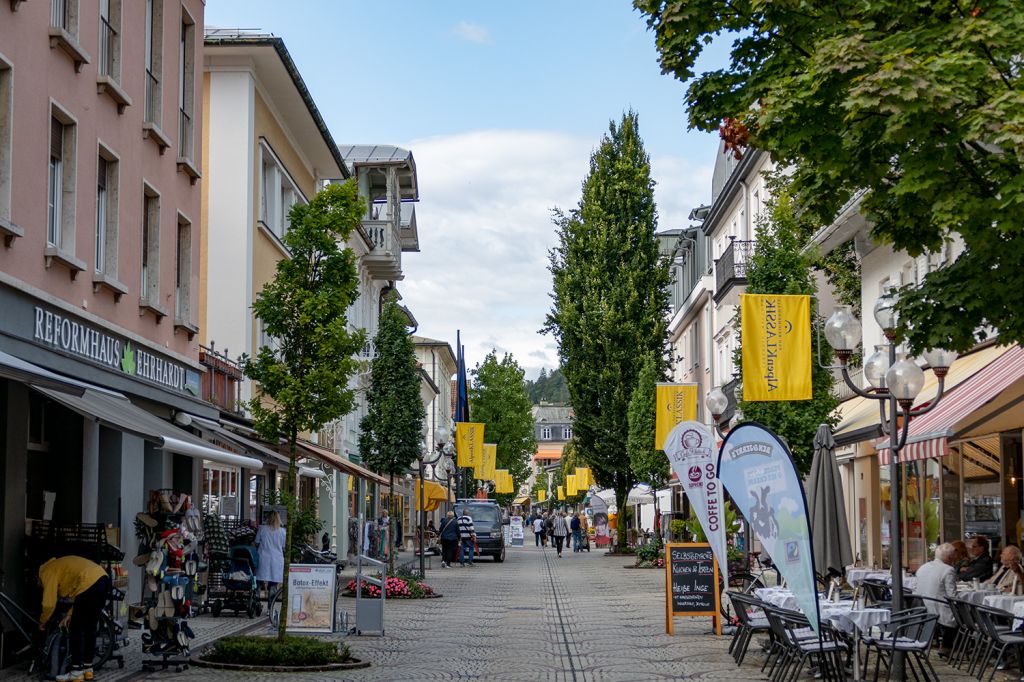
{"points": [[928, 435]]}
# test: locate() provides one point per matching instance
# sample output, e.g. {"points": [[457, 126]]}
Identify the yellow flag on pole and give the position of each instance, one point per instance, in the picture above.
{"points": [[776, 346], [484, 470], [570, 485], [675, 403], [469, 443], [542, 495], [561, 492]]}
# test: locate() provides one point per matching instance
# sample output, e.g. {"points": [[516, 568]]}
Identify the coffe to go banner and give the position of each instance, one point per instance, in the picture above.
{"points": [[690, 448], [469, 443], [675, 403], [758, 471], [776, 347]]}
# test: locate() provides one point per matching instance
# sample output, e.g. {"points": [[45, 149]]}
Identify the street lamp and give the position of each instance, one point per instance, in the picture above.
{"points": [[443, 449], [896, 381]]}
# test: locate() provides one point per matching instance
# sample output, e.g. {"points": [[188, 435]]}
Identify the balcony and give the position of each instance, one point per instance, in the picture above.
{"points": [[384, 261], [222, 381], [108, 68], [186, 162], [731, 270]]}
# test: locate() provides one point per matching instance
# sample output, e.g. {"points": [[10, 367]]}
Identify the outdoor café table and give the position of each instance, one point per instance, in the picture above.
{"points": [[781, 597], [856, 621], [856, 576], [1018, 613]]}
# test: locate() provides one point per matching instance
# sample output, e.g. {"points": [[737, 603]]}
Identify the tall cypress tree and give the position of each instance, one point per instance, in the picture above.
{"points": [[610, 300], [392, 429]]}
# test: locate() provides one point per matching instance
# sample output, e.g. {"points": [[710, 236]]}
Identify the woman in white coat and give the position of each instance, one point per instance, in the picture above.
{"points": [[270, 540]]}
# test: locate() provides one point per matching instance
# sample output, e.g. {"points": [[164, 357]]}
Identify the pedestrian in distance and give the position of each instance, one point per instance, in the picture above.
{"points": [[270, 541], [574, 526], [538, 531], [86, 585], [449, 535], [549, 525], [560, 530], [467, 535]]}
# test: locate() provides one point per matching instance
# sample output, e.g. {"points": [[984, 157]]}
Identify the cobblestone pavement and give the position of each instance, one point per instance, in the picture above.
{"points": [[580, 618]]}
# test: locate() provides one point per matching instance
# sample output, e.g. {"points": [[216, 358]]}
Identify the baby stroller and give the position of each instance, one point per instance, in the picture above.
{"points": [[239, 592]]}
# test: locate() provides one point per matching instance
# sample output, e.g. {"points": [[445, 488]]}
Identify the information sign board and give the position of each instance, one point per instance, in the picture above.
{"points": [[311, 596], [516, 530], [691, 583]]}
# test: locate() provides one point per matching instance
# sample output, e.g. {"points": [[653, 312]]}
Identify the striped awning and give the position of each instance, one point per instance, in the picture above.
{"points": [[928, 435]]}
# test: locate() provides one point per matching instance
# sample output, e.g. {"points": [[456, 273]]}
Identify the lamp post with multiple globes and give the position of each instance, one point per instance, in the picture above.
{"points": [[443, 450]]}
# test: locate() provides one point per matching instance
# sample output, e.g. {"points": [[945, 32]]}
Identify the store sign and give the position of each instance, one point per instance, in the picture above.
{"points": [[310, 606], [516, 530], [88, 342]]}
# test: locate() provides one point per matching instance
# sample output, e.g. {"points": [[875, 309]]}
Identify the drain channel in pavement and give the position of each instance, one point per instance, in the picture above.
{"points": [[570, 657]]}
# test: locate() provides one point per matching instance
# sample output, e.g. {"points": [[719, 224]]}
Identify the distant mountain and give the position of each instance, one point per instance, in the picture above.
{"points": [[548, 388]]}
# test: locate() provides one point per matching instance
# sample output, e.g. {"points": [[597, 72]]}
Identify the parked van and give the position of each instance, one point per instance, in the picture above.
{"points": [[487, 521]]}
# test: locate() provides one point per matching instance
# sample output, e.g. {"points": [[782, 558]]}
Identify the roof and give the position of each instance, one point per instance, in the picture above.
{"points": [[276, 69], [553, 414], [422, 341], [380, 155]]}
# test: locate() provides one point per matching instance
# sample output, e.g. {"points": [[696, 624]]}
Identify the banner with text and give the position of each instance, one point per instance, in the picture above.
{"points": [[676, 403], [469, 443], [584, 477], [570, 485], [484, 470], [690, 448], [758, 471], [776, 347]]}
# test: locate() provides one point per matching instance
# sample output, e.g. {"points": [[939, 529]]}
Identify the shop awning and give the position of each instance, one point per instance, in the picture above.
{"points": [[15, 368], [343, 465], [433, 495], [928, 435], [521, 500], [255, 448], [118, 412]]}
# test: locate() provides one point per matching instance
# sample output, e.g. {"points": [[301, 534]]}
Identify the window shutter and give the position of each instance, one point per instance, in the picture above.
{"points": [[56, 139], [101, 174]]}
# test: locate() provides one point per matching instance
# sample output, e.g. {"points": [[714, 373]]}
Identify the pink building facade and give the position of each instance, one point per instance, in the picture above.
{"points": [[100, 204]]}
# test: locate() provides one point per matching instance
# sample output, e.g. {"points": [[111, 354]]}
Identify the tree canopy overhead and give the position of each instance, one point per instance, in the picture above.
{"points": [[918, 103], [610, 300]]}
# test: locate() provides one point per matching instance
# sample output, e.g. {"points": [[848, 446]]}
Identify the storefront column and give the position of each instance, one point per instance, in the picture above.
{"points": [[90, 469], [14, 405], [343, 514], [132, 501]]}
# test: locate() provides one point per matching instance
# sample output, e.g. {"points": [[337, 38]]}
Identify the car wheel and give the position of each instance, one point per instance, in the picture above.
{"points": [[500, 556]]}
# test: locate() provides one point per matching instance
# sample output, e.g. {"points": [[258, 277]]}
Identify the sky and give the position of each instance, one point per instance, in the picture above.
{"points": [[501, 105]]}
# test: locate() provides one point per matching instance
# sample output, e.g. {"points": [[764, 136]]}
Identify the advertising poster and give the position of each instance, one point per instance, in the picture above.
{"points": [[758, 471], [600, 521], [690, 448], [310, 606], [516, 530]]}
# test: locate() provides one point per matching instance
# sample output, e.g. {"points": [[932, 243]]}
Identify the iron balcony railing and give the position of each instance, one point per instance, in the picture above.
{"points": [[184, 134], [221, 384], [108, 38], [152, 92], [731, 268], [59, 13]]}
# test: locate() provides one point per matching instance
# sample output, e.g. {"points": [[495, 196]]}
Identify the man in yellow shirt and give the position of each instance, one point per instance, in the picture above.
{"points": [[86, 585]]}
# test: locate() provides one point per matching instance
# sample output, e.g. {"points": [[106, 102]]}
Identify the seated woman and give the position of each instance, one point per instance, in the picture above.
{"points": [[1009, 578]]}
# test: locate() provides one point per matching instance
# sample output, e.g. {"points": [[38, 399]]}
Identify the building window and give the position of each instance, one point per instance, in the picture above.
{"points": [[567, 433], [183, 271], [106, 213], [110, 40], [64, 15], [278, 193], [545, 433], [186, 84], [150, 282], [60, 197], [154, 59], [6, 127]]}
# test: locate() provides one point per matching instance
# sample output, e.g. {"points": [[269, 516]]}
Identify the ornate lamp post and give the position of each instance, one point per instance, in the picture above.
{"points": [[895, 381], [443, 449]]}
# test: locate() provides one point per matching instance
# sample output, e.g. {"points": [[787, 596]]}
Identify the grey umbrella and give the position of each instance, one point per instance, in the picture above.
{"points": [[830, 531]]}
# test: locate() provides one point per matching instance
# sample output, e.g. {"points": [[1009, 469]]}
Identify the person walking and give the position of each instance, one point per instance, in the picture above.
{"points": [[467, 535], [559, 529], [574, 526], [87, 585], [270, 540], [538, 531], [549, 524], [449, 535]]}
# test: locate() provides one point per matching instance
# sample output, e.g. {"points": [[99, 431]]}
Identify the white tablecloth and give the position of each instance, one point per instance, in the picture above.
{"points": [[855, 576], [777, 596], [862, 619], [1018, 612], [1005, 602]]}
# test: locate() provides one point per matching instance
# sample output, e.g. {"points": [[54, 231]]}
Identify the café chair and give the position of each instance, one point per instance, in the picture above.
{"points": [[1000, 640], [910, 634], [749, 612]]}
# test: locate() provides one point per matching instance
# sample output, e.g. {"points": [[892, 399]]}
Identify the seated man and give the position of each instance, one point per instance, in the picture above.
{"points": [[980, 565], [86, 585], [936, 579], [1009, 578]]}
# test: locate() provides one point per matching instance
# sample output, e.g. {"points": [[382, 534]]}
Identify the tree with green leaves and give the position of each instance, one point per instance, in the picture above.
{"points": [[649, 464], [301, 380], [778, 266], [498, 399], [916, 103], [391, 431], [548, 388], [610, 300]]}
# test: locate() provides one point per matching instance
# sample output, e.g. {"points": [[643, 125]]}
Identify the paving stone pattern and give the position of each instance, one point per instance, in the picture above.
{"points": [[579, 618]]}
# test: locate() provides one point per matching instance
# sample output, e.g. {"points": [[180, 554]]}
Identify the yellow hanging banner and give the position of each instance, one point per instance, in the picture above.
{"points": [[469, 443], [561, 492], [584, 478], [542, 495], [570, 485], [675, 403], [503, 483], [776, 346], [484, 470]]}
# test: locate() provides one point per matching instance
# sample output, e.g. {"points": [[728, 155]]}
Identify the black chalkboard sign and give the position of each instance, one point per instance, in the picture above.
{"points": [[691, 582]]}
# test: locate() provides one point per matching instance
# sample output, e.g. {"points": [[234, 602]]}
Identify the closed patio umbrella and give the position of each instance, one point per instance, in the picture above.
{"points": [[830, 531]]}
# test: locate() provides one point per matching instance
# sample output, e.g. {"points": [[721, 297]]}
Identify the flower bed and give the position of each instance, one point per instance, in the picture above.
{"points": [[398, 587], [268, 655]]}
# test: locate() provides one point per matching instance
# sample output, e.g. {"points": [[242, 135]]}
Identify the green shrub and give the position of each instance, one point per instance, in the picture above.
{"points": [[649, 551], [293, 651]]}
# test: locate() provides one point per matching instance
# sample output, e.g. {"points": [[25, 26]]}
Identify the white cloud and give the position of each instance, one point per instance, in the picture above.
{"points": [[485, 230], [474, 33]]}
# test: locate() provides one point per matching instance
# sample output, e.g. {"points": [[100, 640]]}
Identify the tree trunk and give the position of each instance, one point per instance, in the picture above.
{"points": [[289, 501], [621, 495], [391, 525]]}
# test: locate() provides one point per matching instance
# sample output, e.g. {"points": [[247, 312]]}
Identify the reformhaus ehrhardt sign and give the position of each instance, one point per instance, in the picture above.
{"points": [[85, 341]]}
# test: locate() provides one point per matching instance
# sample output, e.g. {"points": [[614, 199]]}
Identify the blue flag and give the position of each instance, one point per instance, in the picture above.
{"points": [[461, 382], [757, 469]]}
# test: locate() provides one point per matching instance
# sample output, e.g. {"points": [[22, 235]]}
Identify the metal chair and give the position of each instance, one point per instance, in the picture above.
{"points": [[1000, 640], [800, 646], [749, 613], [877, 592], [911, 636]]}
